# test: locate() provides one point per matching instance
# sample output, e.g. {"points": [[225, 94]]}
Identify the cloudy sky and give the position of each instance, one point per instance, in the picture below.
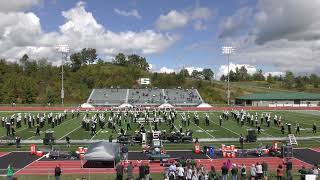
{"points": [[271, 35]]}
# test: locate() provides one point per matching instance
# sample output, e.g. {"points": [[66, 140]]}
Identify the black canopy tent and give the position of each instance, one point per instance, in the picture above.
{"points": [[103, 151]]}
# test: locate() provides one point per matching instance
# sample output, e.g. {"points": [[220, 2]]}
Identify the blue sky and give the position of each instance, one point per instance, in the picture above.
{"points": [[267, 34]]}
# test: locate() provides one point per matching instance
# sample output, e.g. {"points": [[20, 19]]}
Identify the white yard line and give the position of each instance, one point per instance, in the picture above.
{"points": [[16, 131], [224, 127], [202, 129], [28, 165], [70, 132], [30, 137], [5, 154], [95, 134]]}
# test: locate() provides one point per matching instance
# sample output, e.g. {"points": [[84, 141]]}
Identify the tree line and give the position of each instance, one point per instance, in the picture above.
{"points": [[33, 81], [288, 80]]}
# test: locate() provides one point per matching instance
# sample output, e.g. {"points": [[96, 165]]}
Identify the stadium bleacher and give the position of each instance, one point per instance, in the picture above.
{"points": [[145, 97], [107, 97], [181, 97]]}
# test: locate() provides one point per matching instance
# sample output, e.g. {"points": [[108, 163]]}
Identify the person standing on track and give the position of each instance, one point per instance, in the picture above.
{"points": [[57, 172], [10, 172], [130, 168], [119, 170], [314, 128]]}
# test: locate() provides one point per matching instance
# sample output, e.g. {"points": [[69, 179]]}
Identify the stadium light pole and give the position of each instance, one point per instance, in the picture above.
{"points": [[228, 50], [64, 50]]}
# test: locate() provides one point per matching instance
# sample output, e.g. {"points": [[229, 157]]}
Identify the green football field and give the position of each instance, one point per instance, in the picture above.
{"points": [[230, 129]]}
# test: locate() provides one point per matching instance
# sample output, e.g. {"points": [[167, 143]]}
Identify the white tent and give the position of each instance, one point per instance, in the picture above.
{"points": [[125, 105], [102, 151], [166, 105], [204, 105], [86, 105]]}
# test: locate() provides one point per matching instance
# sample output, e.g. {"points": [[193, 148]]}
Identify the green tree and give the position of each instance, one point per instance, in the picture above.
{"points": [[50, 96], [208, 74], [258, 76], [24, 60], [120, 59], [289, 80], [300, 83], [76, 61], [138, 61], [88, 55], [184, 72], [315, 81], [197, 74], [270, 79], [28, 91]]}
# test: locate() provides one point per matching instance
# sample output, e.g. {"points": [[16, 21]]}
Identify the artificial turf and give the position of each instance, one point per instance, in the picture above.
{"points": [[229, 128]]}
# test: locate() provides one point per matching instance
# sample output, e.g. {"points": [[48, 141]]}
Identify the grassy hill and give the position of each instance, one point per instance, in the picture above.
{"points": [[39, 82]]}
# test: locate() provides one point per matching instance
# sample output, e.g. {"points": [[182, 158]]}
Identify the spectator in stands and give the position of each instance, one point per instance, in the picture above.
{"points": [[194, 175], [10, 172], [259, 171], [57, 172], [147, 172], [224, 171], [119, 171], [212, 174], [280, 172], [234, 172], [253, 172], [180, 172], [188, 172], [130, 168], [315, 171], [265, 170], [142, 172], [303, 171], [288, 169], [243, 172]]}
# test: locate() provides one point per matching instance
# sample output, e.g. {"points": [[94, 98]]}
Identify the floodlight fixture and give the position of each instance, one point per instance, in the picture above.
{"points": [[64, 49], [228, 50]]}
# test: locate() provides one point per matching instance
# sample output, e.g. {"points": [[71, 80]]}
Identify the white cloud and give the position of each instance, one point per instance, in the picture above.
{"points": [[235, 23], [223, 69], [280, 34], [177, 19], [166, 70], [17, 5], [199, 26], [273, 73], [287, 19], [133, 13], [172, 20], [201, 13], [22, 33], [191, 69]]}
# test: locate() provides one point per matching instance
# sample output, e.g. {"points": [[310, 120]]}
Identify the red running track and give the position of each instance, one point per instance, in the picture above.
{"points": [[3, 153], [316, 149], [74, 166]]}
